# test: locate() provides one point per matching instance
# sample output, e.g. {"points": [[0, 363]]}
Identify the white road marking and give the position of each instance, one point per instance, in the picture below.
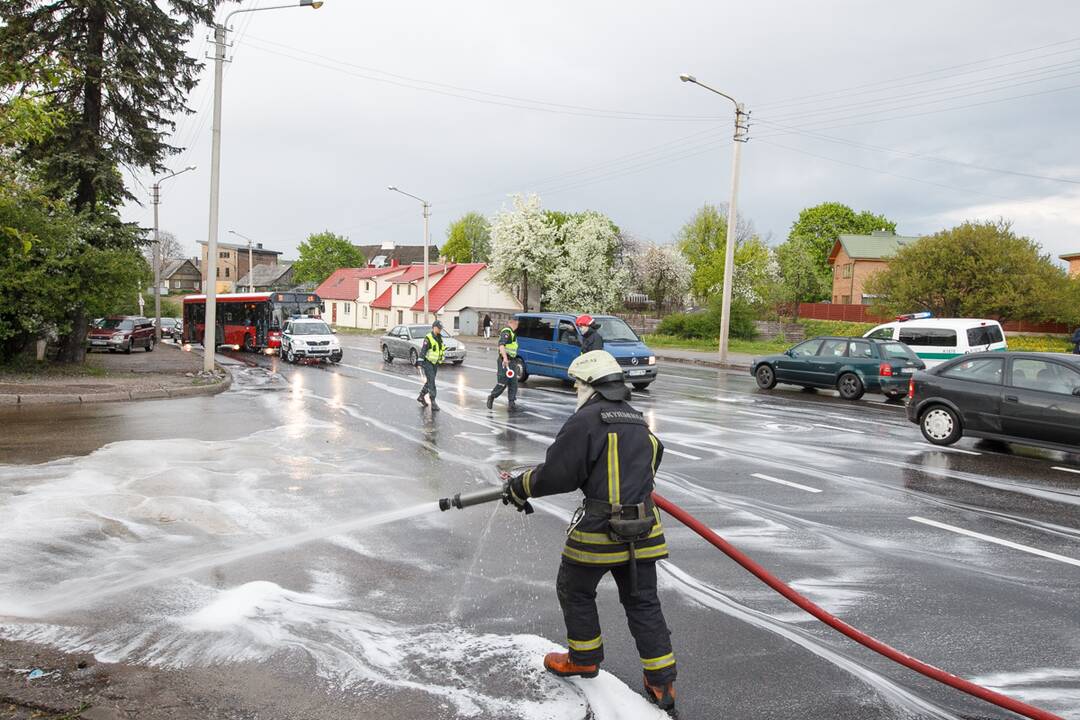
{"points": [[997, 541], [688, 456], [542, 417], [1065, 469], [755, 414], [949, 449], [796, 485], [833, 427]]}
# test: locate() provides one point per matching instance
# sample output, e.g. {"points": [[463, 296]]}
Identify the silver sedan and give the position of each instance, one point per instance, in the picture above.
{"points": [[404, 341]]}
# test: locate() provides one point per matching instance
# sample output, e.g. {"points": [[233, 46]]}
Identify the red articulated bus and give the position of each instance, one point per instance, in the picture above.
{"points": [[251, 321]]}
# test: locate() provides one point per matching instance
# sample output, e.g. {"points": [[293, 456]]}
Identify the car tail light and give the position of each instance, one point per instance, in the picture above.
{"points": [[911, 388], [885, 370]]}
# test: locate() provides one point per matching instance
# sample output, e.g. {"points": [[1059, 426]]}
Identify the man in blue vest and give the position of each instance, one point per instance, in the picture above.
{"points": [[432, 353]]}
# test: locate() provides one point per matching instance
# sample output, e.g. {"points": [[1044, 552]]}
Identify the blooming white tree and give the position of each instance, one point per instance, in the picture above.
{"points": [[662, 272], [757, 273], [523, 247], [587, 278]]}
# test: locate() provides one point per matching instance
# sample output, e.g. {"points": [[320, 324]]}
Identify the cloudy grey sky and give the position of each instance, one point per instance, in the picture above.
{"points": [[579, 100]]}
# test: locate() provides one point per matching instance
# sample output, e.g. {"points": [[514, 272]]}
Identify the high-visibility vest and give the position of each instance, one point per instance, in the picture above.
{"points": [[436, 350], [511, 347]]}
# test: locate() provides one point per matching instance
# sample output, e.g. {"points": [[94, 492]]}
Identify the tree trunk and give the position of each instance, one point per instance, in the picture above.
{"points": [[90, 126], [525, 290], [73, 345]]}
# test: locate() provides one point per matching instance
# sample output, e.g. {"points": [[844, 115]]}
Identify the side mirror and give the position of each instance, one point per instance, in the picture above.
{"points": [[1076, 391], [789, 353], [333, 331]]}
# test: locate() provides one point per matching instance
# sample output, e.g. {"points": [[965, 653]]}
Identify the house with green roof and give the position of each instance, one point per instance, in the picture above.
{"points": [[854, 258]]}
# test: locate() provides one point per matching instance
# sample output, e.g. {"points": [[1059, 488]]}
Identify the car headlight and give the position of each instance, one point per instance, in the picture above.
{"points": [[118, 336], [652, 359]]}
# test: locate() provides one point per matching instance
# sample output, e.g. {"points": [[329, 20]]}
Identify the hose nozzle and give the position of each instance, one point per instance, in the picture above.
{"points": [[461, 502]]}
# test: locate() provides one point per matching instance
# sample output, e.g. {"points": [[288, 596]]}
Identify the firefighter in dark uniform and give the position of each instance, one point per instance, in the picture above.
{"points": [[607, 451], [590, 334], [432, 353], [508, 347]]}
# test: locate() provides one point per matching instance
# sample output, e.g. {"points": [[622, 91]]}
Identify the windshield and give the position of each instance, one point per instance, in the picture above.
{"points": [[117, 324], [612, 329], [418, 332], [168, 322], [310, 328], [896, 351]]}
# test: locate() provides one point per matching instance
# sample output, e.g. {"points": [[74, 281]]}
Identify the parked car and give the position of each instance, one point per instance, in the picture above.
{"points": [[549, 342], [851, 365], [121, 332], [406, 340], [307, 337], [936, 340], [1028, 398], [171, 328]]}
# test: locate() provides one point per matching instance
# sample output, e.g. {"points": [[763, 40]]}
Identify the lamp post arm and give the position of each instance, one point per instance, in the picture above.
{"points": [[225, 22], [712, 89]]}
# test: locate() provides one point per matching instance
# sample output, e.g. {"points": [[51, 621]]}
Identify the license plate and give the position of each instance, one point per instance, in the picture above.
{"points": [[98, 342], [907, 371], [635, 373]]}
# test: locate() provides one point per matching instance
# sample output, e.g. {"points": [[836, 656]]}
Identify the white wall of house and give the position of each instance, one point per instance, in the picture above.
{"points": [[479, 292]]}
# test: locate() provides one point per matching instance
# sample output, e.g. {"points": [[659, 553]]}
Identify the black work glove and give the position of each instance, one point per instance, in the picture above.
{"points": [[514, 493]]}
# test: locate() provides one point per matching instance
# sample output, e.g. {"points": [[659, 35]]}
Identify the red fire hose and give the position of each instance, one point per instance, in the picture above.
{"points": [[836, 623]]}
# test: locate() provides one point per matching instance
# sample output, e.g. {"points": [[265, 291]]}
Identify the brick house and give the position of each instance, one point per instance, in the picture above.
{"points": [[1074, 263], [854, 258]]}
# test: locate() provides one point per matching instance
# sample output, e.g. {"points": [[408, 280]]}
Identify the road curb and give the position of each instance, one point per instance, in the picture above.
{"points": [[715, 364], [11, 400]]}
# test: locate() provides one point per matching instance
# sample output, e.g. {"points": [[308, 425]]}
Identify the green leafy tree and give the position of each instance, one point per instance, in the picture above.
{"points": [[468, 239], [977, 269], [702, 240], [323, 253], [817, 229], [800, 277], [129, 72]]}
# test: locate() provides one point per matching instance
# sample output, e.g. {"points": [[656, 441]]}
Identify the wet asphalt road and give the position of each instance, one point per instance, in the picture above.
{"points": [[169, 533]]}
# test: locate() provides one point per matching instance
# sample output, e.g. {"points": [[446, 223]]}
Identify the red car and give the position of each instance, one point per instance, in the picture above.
{"points": [[121, 332]]}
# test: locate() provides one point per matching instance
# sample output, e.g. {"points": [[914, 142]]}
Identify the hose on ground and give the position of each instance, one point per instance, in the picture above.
{"points": [[930, 671]]}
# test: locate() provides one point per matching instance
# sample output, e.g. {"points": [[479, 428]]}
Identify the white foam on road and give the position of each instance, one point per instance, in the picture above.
{"points": [[469, 675], [1053, 689]]}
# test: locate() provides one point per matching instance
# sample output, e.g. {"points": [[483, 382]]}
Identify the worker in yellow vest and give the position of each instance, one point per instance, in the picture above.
{"points": [[432, 353], [508, 347]]}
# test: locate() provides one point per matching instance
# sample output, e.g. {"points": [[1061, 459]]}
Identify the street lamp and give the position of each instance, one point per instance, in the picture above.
{"points": [[741, 127], [427, 214], [156, 199], [251, 268], [220, 30]]}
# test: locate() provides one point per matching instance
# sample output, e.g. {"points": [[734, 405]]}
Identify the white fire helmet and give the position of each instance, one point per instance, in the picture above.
{"points": [[599, 371]]}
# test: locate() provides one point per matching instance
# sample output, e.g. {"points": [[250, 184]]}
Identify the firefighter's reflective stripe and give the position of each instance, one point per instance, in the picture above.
{"points": [[655, 447], [520, 500], [527, 482], [593, 538], [587, 557], [613, 467], [585, 645], [436, 350], [658, 663]]}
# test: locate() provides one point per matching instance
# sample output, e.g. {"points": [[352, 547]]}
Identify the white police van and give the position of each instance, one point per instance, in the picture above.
{"points": [[936, 340]]}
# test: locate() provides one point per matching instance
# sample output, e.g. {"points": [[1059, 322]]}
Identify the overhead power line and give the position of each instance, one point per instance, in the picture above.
{"points": [[464, 93], [922, 156], [890, 81]]}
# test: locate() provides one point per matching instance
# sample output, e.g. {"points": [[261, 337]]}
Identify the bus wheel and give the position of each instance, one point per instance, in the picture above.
{"points": [[249, 344]]}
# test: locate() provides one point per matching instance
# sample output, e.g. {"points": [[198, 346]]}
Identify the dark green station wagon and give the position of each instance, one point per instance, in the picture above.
{"points": [[851, 365]]}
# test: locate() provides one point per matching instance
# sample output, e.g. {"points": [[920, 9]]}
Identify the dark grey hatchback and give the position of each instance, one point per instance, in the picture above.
{"points": [[1027, 398]]}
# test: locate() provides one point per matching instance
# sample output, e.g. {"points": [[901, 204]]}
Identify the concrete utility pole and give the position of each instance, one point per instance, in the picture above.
{"points": [[742, 126], [220, 31], [427, 243], [156, 199], [251, 268]]}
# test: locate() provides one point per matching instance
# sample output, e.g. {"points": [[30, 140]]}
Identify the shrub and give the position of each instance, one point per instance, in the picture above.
{"points": [[835, 327], [706, 323]]}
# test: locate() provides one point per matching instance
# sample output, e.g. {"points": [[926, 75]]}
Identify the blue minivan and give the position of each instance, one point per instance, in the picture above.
{"points": [[549, 342]]}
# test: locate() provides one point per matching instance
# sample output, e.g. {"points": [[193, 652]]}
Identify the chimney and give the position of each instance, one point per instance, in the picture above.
{"points": [[393, 262], [258, 246]]}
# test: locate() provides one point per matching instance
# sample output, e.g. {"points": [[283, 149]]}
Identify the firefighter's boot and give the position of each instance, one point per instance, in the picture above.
{"points": [[561, 665], [663, 696]]}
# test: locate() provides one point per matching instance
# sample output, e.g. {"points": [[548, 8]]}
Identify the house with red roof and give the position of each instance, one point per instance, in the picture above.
{"points": [[348, 293], [463, 295]]}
